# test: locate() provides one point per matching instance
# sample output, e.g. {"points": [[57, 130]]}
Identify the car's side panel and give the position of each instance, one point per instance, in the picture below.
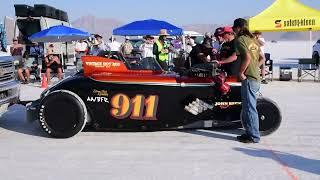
{"points": [[145, 106]]}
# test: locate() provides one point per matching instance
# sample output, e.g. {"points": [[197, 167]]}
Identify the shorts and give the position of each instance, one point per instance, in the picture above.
{"points": [[55, 66]]}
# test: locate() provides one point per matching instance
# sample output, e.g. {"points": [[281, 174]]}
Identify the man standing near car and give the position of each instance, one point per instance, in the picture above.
{"points": [[161, 50], [249, 55], [228, 58]]}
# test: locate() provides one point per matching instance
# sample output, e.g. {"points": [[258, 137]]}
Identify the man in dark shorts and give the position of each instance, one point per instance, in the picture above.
{"points": [[53, 64], [228, 57]]}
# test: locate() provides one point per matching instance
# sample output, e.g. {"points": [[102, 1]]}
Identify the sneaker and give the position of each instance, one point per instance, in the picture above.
{"points": [[244, 138], [264, 81]]}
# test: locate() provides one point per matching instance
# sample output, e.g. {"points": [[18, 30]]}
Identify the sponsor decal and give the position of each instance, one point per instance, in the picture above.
{"points": [[43, 120], [103, 64], [224, 105], [98, 99], [100, 92], [295, 23], [278, 24]]}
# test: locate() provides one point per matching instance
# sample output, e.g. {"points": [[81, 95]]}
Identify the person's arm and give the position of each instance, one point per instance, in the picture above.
{"points": [[155, 49], [229, 59]]}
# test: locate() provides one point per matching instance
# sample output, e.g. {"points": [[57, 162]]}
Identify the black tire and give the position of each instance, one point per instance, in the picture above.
{"points": [[62, 114], [269, 116]]}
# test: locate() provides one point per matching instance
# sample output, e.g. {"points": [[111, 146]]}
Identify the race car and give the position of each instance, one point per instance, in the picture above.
{"points": [[127, 94]]}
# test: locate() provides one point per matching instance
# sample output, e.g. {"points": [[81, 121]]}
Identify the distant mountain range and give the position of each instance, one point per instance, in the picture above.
{"points": [[104, 27]]}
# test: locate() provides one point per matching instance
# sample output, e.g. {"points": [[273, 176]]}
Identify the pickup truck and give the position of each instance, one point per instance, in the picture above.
{"points": [[9, 86]]}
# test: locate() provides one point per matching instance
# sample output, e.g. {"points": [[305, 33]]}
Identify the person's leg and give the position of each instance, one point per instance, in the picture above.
{"points": [[263, 70], [253, 118], [20, 75], [48, 71], [27, 71], [59, 71], [244, 99]]}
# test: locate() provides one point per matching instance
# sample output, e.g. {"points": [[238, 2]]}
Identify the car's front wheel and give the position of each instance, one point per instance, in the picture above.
{"points": [[62, 114]]}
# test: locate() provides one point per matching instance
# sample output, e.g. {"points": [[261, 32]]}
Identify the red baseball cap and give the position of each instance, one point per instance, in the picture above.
{"points": [[227, 29]]}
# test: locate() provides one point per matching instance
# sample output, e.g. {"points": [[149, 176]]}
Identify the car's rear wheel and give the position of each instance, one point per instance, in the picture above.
{"points": [[269, 116], [62, 114]]}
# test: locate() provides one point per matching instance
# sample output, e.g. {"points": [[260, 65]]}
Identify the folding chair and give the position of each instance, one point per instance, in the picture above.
{"points": [[268, 66], [308, 67]]}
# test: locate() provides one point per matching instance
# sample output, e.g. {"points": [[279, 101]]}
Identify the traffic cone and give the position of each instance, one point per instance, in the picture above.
{"points": [[44, 82]]}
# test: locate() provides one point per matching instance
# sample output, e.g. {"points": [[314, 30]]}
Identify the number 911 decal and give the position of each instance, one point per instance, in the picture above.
{"points": [[139, 107]]}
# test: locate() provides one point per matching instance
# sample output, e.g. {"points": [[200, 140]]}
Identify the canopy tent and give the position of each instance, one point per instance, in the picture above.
{"points": [[59, 34], [147, 27], [286, 15]]}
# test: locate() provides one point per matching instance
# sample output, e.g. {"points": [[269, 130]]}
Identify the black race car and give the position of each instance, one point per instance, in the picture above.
{"points": [[117, 93]]}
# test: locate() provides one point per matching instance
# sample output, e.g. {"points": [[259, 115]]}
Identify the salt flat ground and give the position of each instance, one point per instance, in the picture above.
{"points": [[290, 153]]}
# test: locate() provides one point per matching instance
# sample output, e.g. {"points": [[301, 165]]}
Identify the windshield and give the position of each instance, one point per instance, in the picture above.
{"points": [[136, 63], [136, 43]]}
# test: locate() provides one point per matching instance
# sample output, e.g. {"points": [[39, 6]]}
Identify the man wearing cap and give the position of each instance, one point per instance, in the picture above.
{"points": [[249, 55], [218, 34], [228, 57], [161, 50]]}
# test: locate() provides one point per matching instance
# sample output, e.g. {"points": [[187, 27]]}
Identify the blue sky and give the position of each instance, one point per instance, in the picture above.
{"points": [[176, 11]]}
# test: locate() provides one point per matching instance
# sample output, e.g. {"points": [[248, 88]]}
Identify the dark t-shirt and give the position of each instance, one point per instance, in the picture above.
{"points": [[195, 59], [227, 50]]}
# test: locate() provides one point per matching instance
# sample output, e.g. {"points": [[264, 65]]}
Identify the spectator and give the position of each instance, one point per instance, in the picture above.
{"points": [[202, 54], [161, 50], [113, 45], [261, 42], [36, 55], [16, 51], [53, 64], [219, 40], [147, 47], [190, 44], [81, 49], [126, 48], [249, 55], [228, 57]]}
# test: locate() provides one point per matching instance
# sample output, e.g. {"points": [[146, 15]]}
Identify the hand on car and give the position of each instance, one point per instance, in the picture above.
{"points": [[242, 77]]}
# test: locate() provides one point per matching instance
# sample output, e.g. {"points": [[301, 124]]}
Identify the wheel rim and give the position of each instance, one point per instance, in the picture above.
{"points": [[269, 116], [63, 117]]}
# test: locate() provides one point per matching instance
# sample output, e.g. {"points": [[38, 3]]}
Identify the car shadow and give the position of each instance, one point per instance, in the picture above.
{"points": [[223, 133], [290, 160], [15, 120]]}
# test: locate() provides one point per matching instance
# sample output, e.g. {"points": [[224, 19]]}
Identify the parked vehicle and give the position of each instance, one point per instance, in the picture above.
{"points": [[116, 94], [9, 86]]}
